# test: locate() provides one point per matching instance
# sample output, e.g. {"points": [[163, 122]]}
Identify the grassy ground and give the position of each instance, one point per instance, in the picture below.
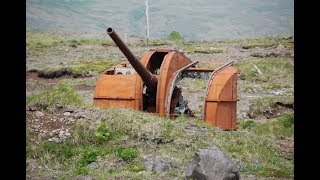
{"points": [[122, 139], [116, 143]]}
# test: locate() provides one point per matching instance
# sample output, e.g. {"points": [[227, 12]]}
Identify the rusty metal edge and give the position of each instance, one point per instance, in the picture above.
{"points": [[175, 75]]}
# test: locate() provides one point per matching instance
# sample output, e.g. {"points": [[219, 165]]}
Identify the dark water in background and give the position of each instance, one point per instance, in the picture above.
{"points": [[194, 19]]}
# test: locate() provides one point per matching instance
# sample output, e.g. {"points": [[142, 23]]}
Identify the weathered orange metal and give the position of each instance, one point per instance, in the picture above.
{"points": [[150, 85], [221, 98]]}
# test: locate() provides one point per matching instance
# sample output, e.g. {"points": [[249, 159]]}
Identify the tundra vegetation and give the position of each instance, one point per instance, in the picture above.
{"points": [[62, 69]]}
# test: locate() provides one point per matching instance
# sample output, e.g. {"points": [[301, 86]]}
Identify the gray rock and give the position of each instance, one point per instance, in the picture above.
{"points": [[277, 92], [39, 113], [61, 136], [56, 140], [51, 134], [56, 131], [36, 126], [69, 109], [212, 164], [280, 47], [93, 165], [157, 164], [31, 108], [61, 119], [67, 114], [80, 114], [71, 119]]}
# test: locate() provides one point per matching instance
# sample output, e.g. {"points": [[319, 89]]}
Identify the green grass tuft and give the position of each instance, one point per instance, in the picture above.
{"points": [[247, 124], [88, 156], [288, 120], [175, 36], [49, 147], [135, 166], [102, 134], [127, 154], [66, 151], [59, 96], [81, 171]]}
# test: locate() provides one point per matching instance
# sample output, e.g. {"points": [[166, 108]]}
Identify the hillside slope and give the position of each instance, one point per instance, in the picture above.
{"points": [[67, 137]]}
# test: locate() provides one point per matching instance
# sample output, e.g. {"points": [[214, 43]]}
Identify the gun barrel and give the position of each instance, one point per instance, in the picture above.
{"points": [[147, 77]]}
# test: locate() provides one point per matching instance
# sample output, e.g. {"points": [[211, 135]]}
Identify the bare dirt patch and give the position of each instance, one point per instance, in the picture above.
{"points": [[53, 126], [84, 88]]}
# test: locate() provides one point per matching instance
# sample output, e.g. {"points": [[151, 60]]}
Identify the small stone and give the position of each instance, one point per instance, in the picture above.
{"points": [[70, 119], [93, 165], [61, 119], [157, 164], [80, 114], [67, 134], [50, 134], [36, 120], [67, 114], [36, 126], [56, 140], [56, 131], [61, 135], [31, 108], [39, 113], [61, 132], [69, 109], [280, 47]]}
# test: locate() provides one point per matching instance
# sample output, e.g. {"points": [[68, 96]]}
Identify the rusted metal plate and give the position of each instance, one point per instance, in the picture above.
{"points": [[222, 86], [221, 114], [221, 99], [116, 87], [115, 103]]}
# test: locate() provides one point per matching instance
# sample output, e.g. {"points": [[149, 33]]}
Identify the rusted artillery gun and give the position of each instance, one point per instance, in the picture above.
{"points": [[151, 85]]}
